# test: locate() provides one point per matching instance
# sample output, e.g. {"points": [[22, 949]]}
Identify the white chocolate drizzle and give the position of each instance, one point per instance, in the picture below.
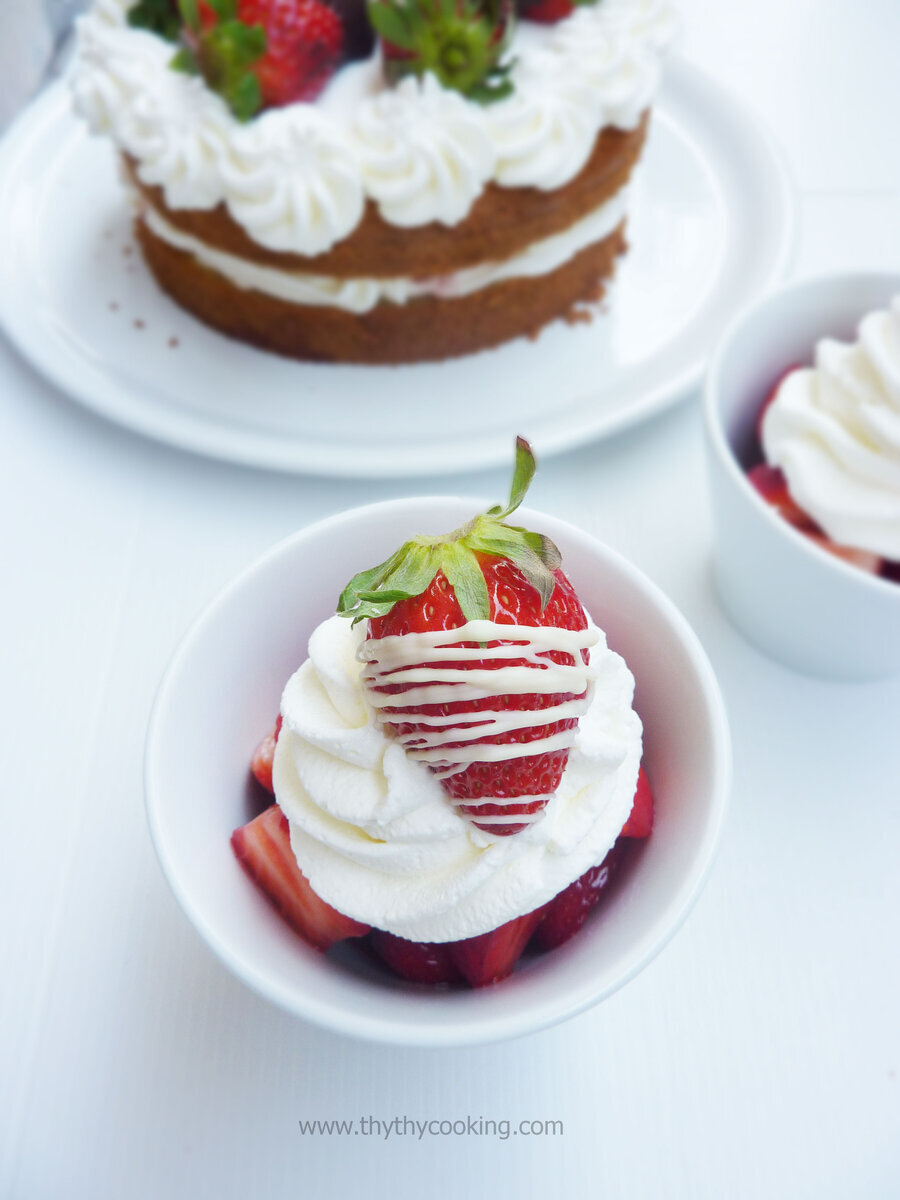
{"points": [[435, 668]]}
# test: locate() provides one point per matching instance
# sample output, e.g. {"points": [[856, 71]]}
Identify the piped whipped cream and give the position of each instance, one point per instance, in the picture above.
{"points": [[373, 828], [834, 430], [297, 178], [361, 295]]}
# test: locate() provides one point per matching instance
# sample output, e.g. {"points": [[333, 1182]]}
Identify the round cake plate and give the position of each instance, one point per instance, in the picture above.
{"points": [[711, 227]]}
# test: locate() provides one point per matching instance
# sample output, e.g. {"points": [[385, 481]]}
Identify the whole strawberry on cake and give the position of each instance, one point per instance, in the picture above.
{"points": [[381, 182], [457, 765]]}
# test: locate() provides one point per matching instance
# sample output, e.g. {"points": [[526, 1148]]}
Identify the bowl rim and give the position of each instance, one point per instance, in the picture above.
{"points": [[717, 439], [477, 1028]]}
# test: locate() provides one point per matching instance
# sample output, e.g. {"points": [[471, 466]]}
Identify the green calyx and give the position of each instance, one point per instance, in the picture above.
{"points": [[156, 16], [461, 42], [224, 51], [411, 569], [224, 54]]}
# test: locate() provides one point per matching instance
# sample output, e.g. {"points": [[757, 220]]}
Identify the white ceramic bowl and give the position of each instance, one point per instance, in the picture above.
{"points": [[221, 693], [794, 600]]}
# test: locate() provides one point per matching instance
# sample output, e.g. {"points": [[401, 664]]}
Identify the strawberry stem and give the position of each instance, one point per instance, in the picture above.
{"points": [[523, 473], [410, 570], [460, 42]]}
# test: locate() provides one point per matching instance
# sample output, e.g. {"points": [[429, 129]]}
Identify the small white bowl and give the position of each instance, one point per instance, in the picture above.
{"points": [[221, 692], [795, 601]]}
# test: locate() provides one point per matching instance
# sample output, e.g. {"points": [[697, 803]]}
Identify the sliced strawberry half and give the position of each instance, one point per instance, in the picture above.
{"points": [[420, 962], [567, 912], [490, 957], [263, 848], [640, 820], [263, 758], [772, 486]]}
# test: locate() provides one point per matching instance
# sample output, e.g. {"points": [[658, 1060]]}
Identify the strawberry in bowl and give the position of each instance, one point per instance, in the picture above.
{"points": [[436, 716], [364, 895]]}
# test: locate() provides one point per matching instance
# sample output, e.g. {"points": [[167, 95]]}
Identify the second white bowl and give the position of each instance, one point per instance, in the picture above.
{"points": [[794, 600]]}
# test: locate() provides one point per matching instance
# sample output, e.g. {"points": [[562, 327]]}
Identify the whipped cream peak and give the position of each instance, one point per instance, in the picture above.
{"points": [[371, 826], [834, 430], [544, 132], [292, 182], [424, 152], [297, 179]]}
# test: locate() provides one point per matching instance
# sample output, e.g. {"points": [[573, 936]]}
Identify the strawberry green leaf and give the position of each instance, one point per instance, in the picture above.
{"points": [[518, 546], [549, 553], [543, 547], [491, 543], [244, 97], [363, 581], [370, 608], [225, 53], [465, 576], [495, 87], [389, 596], [156, 16], [540, 578], [523, 474], [415, 571], [391, 23], [411, 569], [185, 60], [461, 42], [190, 14]]}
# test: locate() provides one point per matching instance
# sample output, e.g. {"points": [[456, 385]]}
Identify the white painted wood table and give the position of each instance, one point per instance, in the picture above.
{"points": [[757, 1057]]}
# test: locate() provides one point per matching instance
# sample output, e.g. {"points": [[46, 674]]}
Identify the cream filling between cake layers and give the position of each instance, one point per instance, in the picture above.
{"points": [[362, 295]]}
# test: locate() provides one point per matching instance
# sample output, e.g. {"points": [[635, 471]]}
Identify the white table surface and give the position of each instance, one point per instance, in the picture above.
{"points": [[758, 1056]]}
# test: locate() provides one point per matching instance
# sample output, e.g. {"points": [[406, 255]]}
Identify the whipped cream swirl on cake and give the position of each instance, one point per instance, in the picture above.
{"points": [[423, 154], [834, 430], [298, 183], [373, 828]]}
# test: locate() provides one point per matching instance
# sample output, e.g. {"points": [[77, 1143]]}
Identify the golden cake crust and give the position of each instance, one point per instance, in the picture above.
{"points": [[426, 328], [503, 222]]}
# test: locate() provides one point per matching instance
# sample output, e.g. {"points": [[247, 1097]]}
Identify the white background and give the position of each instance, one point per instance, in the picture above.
{"points": [[758, 1056]]}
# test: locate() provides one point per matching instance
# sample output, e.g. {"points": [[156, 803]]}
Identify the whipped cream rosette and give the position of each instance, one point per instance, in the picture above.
{"points": [[834, 431]]}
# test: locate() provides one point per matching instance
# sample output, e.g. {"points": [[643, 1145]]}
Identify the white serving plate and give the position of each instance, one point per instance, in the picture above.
{"points": [[711, 228]]}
